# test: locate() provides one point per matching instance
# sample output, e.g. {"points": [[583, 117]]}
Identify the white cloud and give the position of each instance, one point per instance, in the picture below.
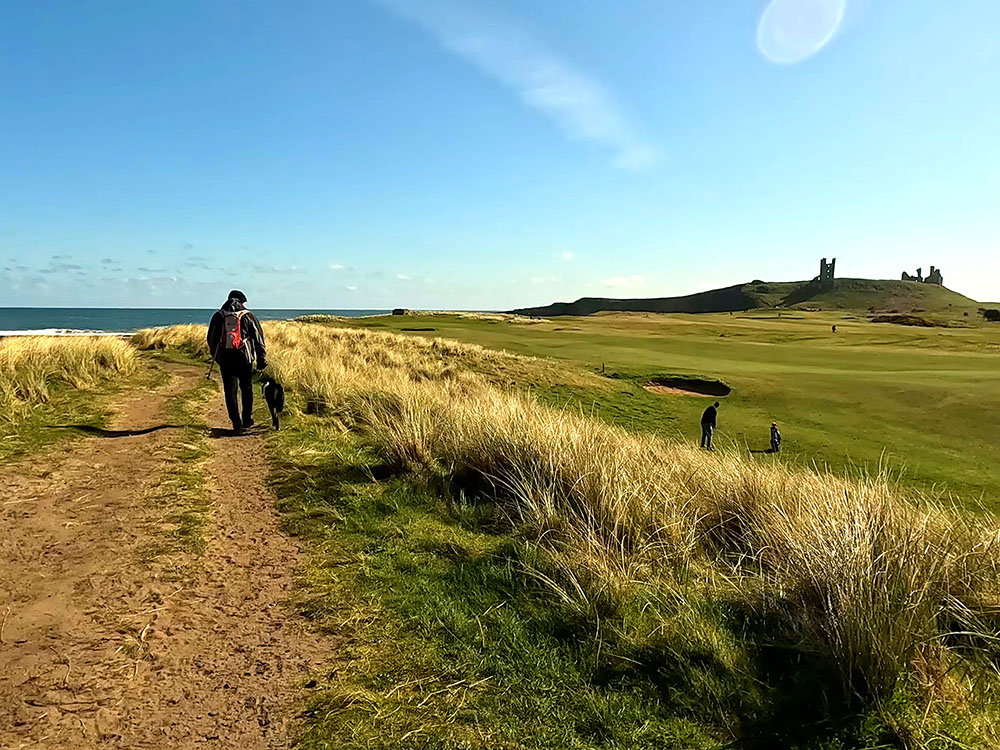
{"points": [[582, 108], [403, 277], [568, 255], [624, 282], [336, 267], [543, 279], [351, 288]]}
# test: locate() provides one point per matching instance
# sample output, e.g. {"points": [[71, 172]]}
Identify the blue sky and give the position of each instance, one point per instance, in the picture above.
{"points": [[487, 154]]}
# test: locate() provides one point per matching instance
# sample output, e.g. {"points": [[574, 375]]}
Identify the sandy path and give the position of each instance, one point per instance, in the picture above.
{"points": [[99, 647]]}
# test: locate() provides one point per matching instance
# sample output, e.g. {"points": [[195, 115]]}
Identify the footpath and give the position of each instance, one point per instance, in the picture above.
{"points": [[104, 645]]}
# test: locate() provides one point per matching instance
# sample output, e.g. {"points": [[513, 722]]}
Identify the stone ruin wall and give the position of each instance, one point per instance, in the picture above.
{"points": [[934, 277]]}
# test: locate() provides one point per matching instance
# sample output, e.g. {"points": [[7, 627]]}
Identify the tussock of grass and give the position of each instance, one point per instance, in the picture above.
{"points": [[31, 366], [895, 599]]}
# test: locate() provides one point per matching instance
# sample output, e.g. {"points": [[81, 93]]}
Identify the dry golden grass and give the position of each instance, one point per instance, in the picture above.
{"points": [[31, 365], [882, 584], [326, 365]]}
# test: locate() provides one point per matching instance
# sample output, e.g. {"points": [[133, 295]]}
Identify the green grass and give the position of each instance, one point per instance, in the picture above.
{"points": [[916, 399], [451, 633]]}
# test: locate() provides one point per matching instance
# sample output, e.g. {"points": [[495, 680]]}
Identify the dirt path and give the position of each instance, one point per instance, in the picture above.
{"points": [[98, 646]]}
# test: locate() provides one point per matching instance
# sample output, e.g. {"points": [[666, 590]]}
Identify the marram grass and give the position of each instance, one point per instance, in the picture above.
{"points": [[30, 366]]}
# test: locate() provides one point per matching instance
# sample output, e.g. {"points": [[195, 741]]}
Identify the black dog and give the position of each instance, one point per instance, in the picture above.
{"points": [[274, 396]]}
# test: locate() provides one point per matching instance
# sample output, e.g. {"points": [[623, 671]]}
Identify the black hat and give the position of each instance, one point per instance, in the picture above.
{"points": [[237, 294]]}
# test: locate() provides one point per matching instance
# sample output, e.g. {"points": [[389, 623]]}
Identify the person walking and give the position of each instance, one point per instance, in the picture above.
{"points": [[775, 438], [708, 422], [236, 340]]}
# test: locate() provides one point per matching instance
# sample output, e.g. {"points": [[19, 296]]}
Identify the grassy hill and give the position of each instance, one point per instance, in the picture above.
{"points": [[868, 294], [842, 294], [738, 297]]}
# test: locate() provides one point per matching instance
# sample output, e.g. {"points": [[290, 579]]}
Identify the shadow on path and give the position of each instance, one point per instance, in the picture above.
{"points": [[101, 432], [226, 432]]}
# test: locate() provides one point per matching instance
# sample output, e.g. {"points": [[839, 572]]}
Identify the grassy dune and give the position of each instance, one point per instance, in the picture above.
{"points": [[48, 385], [32, 366], [860, 597]]}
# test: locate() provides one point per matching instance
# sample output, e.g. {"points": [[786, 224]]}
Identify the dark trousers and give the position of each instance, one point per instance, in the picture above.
{"points": [[706, 436], [238, 376]]}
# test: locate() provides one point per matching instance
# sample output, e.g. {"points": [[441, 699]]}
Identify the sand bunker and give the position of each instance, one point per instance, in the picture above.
{"points": [[678, 386]]}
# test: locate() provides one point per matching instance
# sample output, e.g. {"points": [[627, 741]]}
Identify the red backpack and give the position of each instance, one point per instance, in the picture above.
{"points": [[232, 332]]}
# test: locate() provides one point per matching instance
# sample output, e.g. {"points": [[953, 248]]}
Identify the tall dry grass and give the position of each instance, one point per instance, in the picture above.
{"points": [[30, 366], [881, 584]]}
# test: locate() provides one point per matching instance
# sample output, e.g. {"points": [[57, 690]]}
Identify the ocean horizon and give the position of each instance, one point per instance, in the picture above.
{"points": [[20, 321]]}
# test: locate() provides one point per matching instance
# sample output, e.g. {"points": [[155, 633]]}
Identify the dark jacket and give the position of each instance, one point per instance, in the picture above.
{"points": [[249, 328], [708, 418]]}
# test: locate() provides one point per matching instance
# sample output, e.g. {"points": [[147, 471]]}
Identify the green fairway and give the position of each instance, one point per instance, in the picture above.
{"points": [[916, 400]]}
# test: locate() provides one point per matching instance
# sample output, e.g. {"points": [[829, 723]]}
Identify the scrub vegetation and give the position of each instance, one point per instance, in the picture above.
{"points": [[511, 574]]}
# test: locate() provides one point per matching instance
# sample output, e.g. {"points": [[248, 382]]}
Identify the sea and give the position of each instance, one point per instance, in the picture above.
{"points": [[68, 321]]}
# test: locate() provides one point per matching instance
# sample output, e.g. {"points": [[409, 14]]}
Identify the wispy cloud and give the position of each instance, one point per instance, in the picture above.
{"points": [[568, 255], [579, 105], [403, 277], [624, 282]]}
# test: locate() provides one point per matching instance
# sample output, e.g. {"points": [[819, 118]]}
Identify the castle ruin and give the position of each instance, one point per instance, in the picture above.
{"points": [[934, 277], [826, 271]]}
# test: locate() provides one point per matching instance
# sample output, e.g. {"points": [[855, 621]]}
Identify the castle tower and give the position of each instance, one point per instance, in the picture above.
{"points": [[826, 270]]}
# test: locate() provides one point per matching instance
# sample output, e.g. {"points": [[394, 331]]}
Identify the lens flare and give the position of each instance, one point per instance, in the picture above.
{"points": [[791, 31]]}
